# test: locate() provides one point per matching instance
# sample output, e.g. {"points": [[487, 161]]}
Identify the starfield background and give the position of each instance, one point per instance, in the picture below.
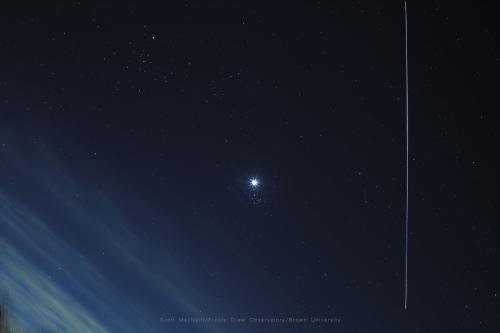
{"points": [[130, 133]]}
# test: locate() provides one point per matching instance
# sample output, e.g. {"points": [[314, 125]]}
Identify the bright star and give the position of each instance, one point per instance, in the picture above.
{"points": [[254, 182]]}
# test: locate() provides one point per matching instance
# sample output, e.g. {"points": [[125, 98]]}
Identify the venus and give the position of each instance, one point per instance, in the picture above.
{"points": [[254, 182]]}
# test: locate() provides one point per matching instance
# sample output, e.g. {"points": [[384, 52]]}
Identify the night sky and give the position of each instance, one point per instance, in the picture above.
{"points": [[130, 133]]}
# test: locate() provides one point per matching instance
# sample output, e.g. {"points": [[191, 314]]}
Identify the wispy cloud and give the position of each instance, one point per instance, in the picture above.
{"points": [[37, 302], [69, 255]]}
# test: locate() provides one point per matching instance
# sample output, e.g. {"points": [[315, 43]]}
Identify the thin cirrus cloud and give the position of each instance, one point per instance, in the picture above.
{"points": [[68, 262], [37, 302], [50, 285]]}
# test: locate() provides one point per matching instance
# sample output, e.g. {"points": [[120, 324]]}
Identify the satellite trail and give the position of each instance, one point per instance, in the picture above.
{"points": [[407, 158]]}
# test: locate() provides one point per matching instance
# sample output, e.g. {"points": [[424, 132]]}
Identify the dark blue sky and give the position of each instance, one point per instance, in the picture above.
{"points": [[129, 134]]}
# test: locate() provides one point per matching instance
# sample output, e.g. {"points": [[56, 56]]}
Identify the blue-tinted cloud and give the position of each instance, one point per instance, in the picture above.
{"points": [[71, 260]]}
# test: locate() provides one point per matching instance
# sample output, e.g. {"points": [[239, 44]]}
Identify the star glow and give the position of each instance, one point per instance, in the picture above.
{"points": [[254, 182]]}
